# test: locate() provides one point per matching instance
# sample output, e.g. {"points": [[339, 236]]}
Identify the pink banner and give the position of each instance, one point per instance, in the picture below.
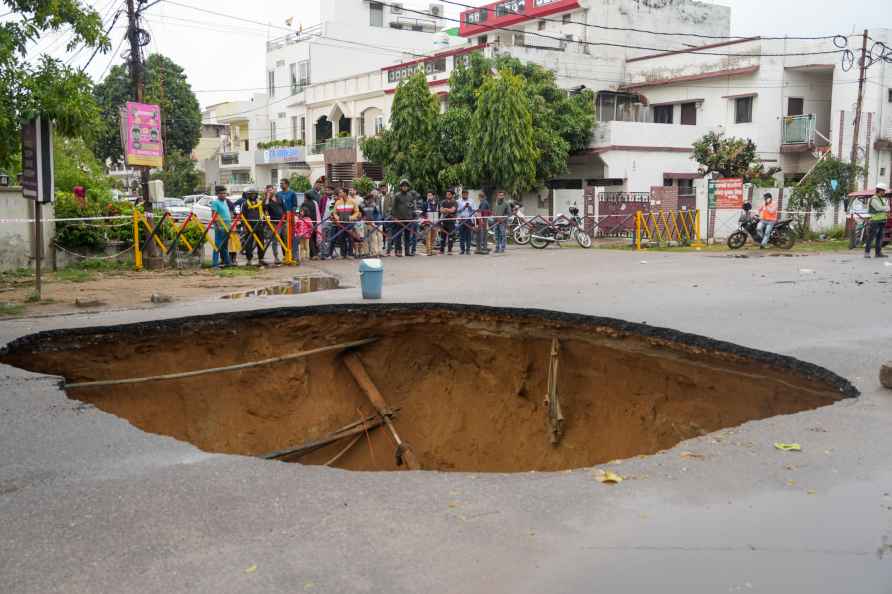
{"points": [[143, 135]]}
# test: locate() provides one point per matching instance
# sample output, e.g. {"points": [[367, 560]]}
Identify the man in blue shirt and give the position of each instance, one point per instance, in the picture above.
{"points": [[220, 207], [290, 202]]}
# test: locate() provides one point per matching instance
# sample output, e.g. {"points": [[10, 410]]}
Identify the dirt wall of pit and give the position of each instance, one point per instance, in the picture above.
{"points": [[469, 381]]}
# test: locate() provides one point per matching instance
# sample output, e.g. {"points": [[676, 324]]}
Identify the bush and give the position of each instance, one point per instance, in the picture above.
{"points": [[363, 185], [300, 183], [75, 235], [279, 143]]}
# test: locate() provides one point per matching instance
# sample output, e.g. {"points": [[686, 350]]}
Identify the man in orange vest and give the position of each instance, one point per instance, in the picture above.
{"points": [[767, 220]]}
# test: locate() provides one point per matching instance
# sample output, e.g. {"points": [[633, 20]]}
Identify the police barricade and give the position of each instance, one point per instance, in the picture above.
{"points": [[662, 228], [166, 227]]}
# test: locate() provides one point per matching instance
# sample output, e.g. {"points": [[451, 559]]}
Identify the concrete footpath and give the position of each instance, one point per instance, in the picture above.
{"points": [[89, 504]]}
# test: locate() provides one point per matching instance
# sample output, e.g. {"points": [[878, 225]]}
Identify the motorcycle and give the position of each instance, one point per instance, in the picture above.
{"points": [[561, 230], [782, 235]]}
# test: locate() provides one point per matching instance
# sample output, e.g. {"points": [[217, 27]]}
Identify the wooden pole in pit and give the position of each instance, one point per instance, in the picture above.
{"points": [[555, 415], [357, 369]]}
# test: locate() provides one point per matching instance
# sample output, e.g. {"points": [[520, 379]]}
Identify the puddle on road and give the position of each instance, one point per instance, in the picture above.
{"points": [[297, 286]]}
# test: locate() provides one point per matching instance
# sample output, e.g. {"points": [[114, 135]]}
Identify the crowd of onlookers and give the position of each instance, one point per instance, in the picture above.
{"points": [[326, 223]]}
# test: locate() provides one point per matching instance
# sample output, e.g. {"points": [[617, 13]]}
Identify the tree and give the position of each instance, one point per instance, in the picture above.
{"points": [[816, 191], [46, 86], [165, 85], [501, 152], [409, 147], [180, 176], [562, 121], [299, 183], [732, 158], [75, 165], [363, 185]]}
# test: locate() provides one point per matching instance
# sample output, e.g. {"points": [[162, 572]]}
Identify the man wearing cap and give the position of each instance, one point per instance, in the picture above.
{"points": [[403, 210], [878, 209]]}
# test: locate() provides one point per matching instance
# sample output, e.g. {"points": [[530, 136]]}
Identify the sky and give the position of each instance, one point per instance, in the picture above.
{"points": [[224, 58]]}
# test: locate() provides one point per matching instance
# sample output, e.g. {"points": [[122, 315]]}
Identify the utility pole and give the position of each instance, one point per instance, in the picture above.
{"points": [[858, 107], [137, 77]]}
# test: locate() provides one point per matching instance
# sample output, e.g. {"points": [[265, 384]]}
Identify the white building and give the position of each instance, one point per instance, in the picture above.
{"points": [[233, 164]]}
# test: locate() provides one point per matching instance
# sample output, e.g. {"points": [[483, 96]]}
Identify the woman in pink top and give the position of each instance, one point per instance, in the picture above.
{"points": [[767, 219]]}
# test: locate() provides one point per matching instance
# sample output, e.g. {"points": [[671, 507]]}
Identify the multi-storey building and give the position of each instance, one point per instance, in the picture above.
{"points": [[243, 123]]}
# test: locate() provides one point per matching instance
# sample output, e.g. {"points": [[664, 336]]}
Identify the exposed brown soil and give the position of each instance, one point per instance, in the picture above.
{"points": [[469, 381]]}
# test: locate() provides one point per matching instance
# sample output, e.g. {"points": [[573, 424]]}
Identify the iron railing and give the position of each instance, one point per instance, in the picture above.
{"points": [[799, 129], [332, 143]]}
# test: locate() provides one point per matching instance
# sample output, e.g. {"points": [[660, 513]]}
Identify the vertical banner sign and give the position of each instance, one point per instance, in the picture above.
{"points": [[142, 135], [37, 160], [728, 194]]}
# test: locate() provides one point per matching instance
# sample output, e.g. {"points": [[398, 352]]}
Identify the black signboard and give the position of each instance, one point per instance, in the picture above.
{"points": [[37, 160]]}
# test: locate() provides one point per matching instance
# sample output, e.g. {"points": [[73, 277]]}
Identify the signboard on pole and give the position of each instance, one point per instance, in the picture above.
{"points": [[726, 193], [141, 128], [37, 160]]}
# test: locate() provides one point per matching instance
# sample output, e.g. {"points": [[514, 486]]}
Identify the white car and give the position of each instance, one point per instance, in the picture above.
{"points": [[201, 206], [175, 206]]}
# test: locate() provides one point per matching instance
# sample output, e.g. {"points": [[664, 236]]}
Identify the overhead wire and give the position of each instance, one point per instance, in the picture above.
{"points": [[633, 29]]}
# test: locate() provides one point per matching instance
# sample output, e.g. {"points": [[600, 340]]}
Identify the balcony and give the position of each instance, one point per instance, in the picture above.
{"points": [[645, 136], [798, 133], [236, 160], [228, 159], [332, 143]]}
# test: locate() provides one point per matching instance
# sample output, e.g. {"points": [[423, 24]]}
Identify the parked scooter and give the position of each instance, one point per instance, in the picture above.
{"points": [[561, 230], [782, 235]]}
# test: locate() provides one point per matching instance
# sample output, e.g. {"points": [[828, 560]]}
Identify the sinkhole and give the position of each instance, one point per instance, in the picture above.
{"points": [[467, 385]]}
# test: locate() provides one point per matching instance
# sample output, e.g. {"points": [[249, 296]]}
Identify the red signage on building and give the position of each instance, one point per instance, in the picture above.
{"points": [[727, 193], [509, 12]]}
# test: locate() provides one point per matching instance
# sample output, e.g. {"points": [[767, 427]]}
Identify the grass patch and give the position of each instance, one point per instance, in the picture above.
{"points": [[97, 265], [74, 275], [237, 271], [11, 309]]}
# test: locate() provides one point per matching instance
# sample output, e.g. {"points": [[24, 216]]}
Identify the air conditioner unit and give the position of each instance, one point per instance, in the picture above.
{"points": [[436, 10], [396, 8]]}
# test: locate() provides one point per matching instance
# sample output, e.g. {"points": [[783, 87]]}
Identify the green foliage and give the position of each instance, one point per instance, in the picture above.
{"points": [[45, 86], [279, 143], [300, 183], [76, 235], [75, 165], [363, 185], [165, 85], [732, 158], [180, 176], [343, 134], [11, 309], [562, 122], [815, 192], [410, 146], [502, 153]]}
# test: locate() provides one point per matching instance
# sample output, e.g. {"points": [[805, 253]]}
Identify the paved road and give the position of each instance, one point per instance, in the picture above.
{"points": [[90, 504]]}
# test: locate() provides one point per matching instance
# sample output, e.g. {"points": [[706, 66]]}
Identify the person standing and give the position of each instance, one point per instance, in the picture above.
{"points": [[767, 220], [402, 214], [484, 211], [345, 213], [878, 209], [315, 195], [289, 202], [252, 211], [220, 207], [465, 222], [419, 212], [448, 210], [275, 213], [859, 221], [371, 214], [501, 212]]}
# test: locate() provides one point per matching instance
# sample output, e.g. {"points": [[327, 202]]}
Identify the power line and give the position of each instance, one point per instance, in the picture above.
{"points": [[228, 16], [618, 45], [632, 29]]}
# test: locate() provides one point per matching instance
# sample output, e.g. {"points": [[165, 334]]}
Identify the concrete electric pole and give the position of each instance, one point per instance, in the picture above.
{"points": [[858, 108]]}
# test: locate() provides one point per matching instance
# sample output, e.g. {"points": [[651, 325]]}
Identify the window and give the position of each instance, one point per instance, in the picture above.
{"points": [[686, 187], [795, 106], [663, 114], [303, 73], [481, 40], [688, 114], [274, 176], [246, 145], [271, 83], [542, 25], [294, 130], [376, 14], [379, 124], [668, 182], [743, 110], [272, 130], [292, 69], [566, 19], [303, 129]]}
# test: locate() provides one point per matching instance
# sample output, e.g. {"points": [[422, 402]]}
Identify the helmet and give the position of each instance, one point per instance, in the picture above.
{"points": [[883, 187]]}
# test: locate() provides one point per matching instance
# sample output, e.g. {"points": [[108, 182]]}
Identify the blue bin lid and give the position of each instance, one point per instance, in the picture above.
{"points": [[371, 265]]}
